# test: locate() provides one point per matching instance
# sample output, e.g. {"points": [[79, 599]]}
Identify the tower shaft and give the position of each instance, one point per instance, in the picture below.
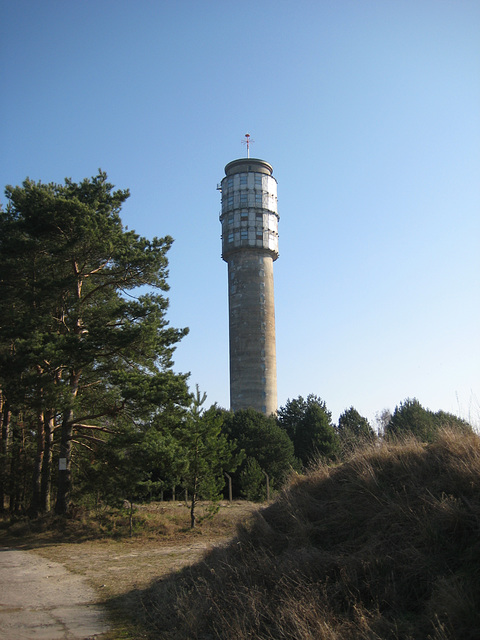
{"points": [[250, 245]]}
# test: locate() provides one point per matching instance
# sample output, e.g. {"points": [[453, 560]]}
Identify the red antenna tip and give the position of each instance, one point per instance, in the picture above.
{"points": [[247, 142]]}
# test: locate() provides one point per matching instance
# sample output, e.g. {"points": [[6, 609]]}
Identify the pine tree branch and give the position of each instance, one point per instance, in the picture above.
{"points": [[77, 425], [89, 438]]}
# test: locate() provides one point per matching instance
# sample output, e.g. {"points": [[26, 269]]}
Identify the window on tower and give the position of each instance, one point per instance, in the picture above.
{"points": [[243, 179]]}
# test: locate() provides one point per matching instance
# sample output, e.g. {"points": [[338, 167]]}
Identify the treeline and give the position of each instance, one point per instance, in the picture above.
{"points": [[90, 409]]}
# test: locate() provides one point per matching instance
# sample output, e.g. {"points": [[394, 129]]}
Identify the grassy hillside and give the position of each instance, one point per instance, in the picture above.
{"points": [[386, 545]]}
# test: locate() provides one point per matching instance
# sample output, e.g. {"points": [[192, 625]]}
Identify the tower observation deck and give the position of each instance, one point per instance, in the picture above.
{"points": [[249, 221]]}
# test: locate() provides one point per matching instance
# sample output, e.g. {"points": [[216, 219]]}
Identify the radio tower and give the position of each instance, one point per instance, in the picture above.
{"points": [[250, 246]]}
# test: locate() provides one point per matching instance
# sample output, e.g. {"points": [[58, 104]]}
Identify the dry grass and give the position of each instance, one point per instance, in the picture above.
{"points": [[384, 546]]}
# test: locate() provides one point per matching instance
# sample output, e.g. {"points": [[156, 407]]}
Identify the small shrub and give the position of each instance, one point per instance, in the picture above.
{"points": [[252, 481]]}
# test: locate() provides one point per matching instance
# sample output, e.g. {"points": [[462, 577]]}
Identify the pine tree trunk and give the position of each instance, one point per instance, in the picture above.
{"points": [[37, 467], [193, 518], [17, 467], [5, 447], [14, 479], [3, 456], [46, 481], [65, 464], [65, 461]]}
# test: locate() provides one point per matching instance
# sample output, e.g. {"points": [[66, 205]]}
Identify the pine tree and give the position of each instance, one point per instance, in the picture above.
{"points": [[207, 453], [75, 331]]}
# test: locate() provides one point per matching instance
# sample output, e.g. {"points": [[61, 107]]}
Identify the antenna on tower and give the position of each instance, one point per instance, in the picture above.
{"points": [[247, 141]]}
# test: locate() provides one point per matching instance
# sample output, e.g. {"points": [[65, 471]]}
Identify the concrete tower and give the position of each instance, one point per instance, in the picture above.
{"points": [[250, 245]]}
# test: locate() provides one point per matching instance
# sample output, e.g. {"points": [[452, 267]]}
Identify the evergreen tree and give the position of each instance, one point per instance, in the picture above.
{"points": [[125, 466], [262, 440], [252, 481], [449, 420], [354, 429], [83, 345], [309, 425], [411, 418], [207, 453]]}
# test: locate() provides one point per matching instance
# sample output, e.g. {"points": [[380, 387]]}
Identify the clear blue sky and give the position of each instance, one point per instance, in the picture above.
{"points": [[369, 112]]}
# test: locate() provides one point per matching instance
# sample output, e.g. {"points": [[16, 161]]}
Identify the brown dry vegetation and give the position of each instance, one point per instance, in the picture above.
{"points": [[384, 546]]}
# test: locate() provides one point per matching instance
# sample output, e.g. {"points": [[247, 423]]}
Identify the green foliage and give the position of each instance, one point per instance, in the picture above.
{"points": [[83, 337], [410, 418], [206, 452], [263, 440], [309, 425], [123, 468], [252, 481], [449, 420], [354, 430]]}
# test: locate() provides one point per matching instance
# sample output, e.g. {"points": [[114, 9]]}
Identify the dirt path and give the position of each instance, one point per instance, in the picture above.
{"points": [[115, 568], [41, 600]]}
